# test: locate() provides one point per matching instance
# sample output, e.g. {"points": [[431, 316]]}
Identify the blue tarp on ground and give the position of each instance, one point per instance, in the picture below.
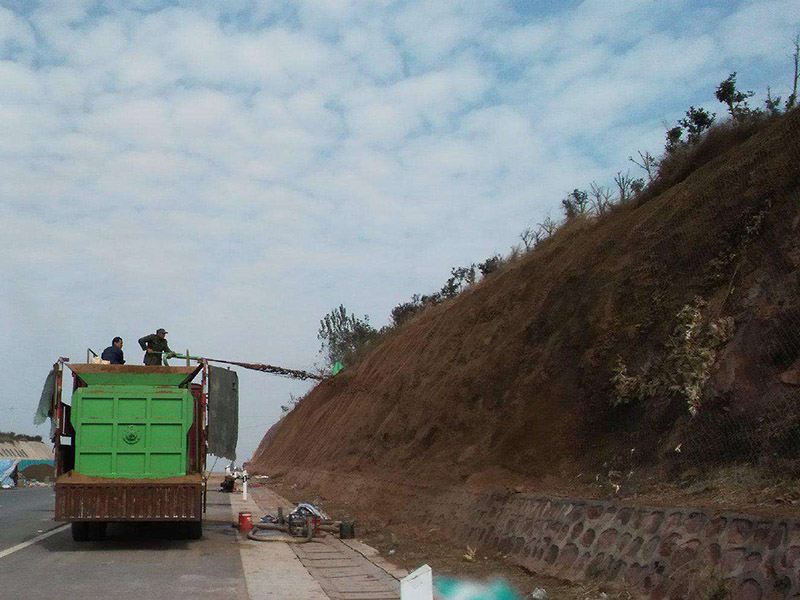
{"points": [[7, 466]]}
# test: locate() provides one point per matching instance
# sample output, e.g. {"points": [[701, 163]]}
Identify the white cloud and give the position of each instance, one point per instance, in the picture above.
{"points": [[375, 55], [760, 29], [15, 33], [20, 84], [233, 175]]}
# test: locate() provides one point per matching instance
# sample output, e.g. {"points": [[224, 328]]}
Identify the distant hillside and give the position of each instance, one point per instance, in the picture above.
{"points": [[10, 436], [592, 351]]}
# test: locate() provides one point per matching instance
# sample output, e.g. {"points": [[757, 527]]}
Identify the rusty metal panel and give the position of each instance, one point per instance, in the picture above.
{"points": [[121, 502]]}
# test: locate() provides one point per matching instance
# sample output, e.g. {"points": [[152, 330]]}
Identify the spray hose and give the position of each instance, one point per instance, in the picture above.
{"points": [[301, 528], [308, 531], [264, 368]]}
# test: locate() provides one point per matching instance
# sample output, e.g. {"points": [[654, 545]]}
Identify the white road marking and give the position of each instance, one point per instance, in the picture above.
{"points": [[31, 542]]}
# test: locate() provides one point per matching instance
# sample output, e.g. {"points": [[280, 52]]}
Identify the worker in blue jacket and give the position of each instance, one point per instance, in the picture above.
{"points": [[113, 353]]}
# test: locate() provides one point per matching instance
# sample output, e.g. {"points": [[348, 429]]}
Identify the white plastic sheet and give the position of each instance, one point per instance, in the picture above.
{"points": [[417, 585]]}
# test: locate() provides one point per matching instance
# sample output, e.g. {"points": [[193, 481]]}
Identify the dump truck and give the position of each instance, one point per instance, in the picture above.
{"points": [[130, 446]]}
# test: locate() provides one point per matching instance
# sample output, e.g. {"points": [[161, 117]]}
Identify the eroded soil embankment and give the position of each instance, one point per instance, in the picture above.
{"points": [[521, 373]]}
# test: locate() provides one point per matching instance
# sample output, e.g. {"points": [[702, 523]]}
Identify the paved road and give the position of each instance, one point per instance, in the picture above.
{"points": [[25, 513], [133, 562], [151, 561]]}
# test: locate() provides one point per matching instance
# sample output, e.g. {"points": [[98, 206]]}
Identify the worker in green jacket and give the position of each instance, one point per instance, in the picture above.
{"points": [[152, 345]]}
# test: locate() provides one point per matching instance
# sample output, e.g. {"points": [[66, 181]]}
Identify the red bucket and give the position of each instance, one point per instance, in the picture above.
{"points": [[316, 524], [245, 521]]}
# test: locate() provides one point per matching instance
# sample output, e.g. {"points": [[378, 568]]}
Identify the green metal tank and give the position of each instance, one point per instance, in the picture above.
{"points": [[132, 421]]}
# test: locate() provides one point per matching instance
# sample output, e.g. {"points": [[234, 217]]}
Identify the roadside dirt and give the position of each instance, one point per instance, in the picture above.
{"points": [[741, 488], [410, 545], [392, 515]]}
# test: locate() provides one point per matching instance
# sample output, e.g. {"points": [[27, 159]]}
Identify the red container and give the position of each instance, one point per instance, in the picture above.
{"points": [[245, 521]]}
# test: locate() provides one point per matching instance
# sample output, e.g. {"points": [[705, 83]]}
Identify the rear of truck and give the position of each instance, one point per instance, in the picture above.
{"points": [[131, 447]]}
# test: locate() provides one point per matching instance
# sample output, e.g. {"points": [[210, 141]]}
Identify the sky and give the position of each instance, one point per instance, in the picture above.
{"points": [[231, 171]]}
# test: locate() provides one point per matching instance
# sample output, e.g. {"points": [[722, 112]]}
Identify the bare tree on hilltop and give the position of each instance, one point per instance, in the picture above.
{"points": [[575, 204], [792, 100], [530, 237], [600, 198], [548, 226], [627, 185], [648, 163], [344, 336]]}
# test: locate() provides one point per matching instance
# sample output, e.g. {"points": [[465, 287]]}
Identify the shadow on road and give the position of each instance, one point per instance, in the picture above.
{"points": [[127, 536]]}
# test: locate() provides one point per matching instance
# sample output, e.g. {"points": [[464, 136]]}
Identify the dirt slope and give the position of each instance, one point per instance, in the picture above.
{"points": [[514, 378]]}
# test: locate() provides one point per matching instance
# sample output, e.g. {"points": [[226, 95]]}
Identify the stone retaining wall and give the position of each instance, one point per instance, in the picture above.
{"points": [[664, 553], [659, 553]]}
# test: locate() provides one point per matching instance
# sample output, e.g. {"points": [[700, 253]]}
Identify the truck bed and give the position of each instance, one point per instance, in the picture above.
{"points": [[83, 498]]}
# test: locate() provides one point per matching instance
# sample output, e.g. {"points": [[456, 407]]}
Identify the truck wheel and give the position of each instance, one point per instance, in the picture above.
{"points": [[97, 531], [80, 531], [194, 530]]}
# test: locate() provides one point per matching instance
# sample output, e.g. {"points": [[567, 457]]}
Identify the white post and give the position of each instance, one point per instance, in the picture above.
{"points": [[417, 585], [244, 486]]}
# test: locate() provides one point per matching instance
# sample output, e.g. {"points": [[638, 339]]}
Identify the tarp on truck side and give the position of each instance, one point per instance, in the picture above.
{"points": [[45, 408], [223, 412]]}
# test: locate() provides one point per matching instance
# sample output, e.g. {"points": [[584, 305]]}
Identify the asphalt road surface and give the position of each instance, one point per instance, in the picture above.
{"points": [[135, 561], [25, 513]]}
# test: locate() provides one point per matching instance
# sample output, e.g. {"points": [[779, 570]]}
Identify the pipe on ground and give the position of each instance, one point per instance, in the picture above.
{"points": [[309, 533]]}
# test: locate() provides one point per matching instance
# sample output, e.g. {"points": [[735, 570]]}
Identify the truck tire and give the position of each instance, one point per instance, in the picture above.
{"points": [[194, 530], [80, 531], [97, 531]]}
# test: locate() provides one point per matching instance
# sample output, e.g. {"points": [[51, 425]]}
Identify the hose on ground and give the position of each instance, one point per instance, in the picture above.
{"points": [[309, 534]]}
